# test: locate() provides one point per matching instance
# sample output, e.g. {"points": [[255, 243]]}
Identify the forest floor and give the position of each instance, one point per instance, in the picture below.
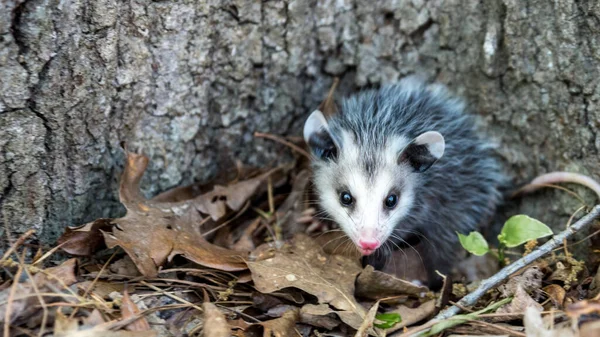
{"points": [[248, 256]]}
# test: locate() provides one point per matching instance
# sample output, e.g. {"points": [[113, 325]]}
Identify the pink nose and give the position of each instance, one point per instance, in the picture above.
{"points": [[367, 246]]}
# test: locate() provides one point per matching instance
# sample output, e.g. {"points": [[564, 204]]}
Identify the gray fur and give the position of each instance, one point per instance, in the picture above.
{"points": [[459, 193]]}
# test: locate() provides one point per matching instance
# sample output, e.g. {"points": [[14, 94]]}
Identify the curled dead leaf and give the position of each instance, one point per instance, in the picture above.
{"points": [[319, 315], [84, 240], [367, 325], [129, 310], [520, 302], [411, 316], [375, 285], [283, 326], [556, 294], [152, 232], [303, 265], [215, 324], [49, 280]]}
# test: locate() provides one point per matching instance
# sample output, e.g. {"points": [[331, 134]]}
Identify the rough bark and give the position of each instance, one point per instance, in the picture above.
{"points": [[188, 82]]}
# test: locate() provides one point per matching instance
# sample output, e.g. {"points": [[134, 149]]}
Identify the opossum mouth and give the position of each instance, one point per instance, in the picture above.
{"points": [[366, 252]]}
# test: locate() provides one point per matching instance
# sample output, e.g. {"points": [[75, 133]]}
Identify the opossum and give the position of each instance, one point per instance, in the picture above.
{"points": [[403, 164]]}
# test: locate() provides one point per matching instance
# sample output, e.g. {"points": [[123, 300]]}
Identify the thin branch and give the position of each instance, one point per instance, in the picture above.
{"points": [[282, 141], [503, 274]]}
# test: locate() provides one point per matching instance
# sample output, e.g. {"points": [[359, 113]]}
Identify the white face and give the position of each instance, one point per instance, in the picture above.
{"points": [[366, 206]]}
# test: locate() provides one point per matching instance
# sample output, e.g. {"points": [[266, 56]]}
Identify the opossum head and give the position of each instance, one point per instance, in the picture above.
{"points": [[366, 183]]}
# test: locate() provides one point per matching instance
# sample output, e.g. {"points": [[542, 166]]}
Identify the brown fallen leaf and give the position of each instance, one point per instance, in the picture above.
{"points": [[520, 302], [319, 315], [49, 280], [101, 289], [284, 326], [154, 232], [530, 281], [367, 325], [302, 264], [129, 310], [215, 324], [411, 316], [556, 294], [124, 267], [85, 240], [69, 327], [376, 285]]}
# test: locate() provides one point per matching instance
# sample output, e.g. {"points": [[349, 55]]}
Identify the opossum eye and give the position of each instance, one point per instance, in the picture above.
{"points": [[391, 201], [346, 199]]}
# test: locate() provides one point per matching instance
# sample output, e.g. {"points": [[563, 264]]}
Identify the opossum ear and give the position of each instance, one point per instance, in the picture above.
{"points": [[318, 138], [423, 151]]}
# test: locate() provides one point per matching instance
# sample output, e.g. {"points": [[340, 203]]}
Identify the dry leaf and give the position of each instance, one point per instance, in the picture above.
{"points": [[69, 327], [319, 315], [366, 327], [530, 280], [535, 326], [85, 240], [215, 324], [590, 329], [303, 265], [520, 302], [101, 289], [129, 310], [283, 326], [556, 294], [153, 232], [93, 319], [375, 285], [411, 316], [50, 280], [124, 267]]}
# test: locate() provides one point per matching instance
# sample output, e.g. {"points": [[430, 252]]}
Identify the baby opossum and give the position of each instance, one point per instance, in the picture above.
{"points": [[400, 164]]}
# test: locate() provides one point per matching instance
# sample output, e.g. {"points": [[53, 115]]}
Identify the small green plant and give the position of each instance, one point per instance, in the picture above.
{"points": [[516, 231], [389, 320]]}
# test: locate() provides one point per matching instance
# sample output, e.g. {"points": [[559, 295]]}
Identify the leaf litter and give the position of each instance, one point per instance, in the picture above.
{"points": [[248, 257]]}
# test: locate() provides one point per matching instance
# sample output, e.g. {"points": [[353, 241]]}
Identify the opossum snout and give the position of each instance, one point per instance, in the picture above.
{"points": [[367, 246]]}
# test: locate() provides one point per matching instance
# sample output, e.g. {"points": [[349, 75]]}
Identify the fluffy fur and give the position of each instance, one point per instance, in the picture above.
{"points": [[458, 193]]}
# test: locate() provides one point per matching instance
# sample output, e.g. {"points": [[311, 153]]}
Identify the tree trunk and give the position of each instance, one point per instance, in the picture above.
{"points": [[189, 82]]}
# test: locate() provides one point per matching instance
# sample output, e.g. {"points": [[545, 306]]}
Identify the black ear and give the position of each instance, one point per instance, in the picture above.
{"points": [[423, 151], [318, 137]]}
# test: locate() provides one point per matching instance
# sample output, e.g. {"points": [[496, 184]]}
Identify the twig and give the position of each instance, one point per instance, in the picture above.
{"points": [[17, 244], [93, 284], [503, 274], [38, 295], [9, 304], [177, 298], [282, 141]]}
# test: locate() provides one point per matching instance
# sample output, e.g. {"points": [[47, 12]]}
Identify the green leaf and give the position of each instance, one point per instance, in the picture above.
{"points": [[389, 320], [520, 229], [474, 243]]}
